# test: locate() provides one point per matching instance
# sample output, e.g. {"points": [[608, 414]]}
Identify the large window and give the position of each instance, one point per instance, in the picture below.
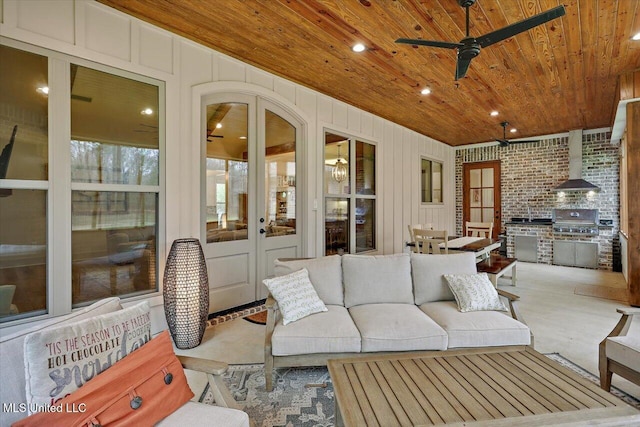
{"points": [[101, 198], [350, 195]]}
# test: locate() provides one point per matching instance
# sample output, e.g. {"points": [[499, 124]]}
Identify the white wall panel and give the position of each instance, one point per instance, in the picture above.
{"points": [[156, 49], [386, 176], [261, 78], [230, 70], [366, 124], [195, 64], [340, 117], [325, 109], [107, 32], [354, 119], [285, 88], [51, 18]]}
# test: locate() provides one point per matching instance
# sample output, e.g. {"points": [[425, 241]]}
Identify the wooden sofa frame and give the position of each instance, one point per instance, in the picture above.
{"points": [[608, 367], [320, 359]]}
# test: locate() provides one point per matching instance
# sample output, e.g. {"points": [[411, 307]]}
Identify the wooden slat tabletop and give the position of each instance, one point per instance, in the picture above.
{"points": [[514, 386]]}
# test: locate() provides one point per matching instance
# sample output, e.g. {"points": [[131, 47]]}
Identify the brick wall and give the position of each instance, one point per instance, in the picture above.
{"points": [[530, 171]]}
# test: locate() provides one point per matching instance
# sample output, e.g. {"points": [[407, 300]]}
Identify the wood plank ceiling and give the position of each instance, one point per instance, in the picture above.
{"points": [[553, 78]]}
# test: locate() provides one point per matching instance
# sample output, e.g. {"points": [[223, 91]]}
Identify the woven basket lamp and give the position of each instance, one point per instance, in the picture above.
{"points": [[186, 293]]}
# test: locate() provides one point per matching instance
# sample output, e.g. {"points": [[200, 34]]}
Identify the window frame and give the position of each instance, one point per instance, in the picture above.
{"points": [[352, 196], [59, 186]]}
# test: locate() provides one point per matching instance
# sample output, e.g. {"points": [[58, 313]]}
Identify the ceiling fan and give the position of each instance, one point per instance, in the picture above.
{"points": [[469, 47], [504, 142]]}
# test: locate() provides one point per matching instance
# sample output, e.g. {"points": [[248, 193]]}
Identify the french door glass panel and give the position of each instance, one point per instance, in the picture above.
{"points": [[481, 195], [280, 175], [227, 173]]}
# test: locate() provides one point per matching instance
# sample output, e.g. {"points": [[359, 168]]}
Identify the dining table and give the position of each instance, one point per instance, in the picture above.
{"points": [[480, 246]]}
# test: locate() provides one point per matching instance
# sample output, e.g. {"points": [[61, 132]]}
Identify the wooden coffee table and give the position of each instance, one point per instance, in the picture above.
{"points": [[507, 386]]}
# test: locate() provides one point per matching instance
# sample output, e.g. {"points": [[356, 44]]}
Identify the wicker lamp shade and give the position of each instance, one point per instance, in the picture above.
{"points": [[186, 293]]}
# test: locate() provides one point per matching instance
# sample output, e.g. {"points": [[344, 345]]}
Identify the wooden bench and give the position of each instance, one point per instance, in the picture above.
{"points": [[497, 265]]}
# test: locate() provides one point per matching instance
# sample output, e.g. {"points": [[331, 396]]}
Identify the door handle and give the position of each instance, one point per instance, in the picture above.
{"points": [[262, 231]]}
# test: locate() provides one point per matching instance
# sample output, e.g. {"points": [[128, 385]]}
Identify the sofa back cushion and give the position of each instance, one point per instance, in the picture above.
{"points": [[60, 360], [428, 272], [12, 375], [377, 279], [325, 273]]}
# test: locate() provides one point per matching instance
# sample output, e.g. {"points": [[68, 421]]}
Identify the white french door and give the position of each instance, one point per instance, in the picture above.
{"points": [[249, 198]]}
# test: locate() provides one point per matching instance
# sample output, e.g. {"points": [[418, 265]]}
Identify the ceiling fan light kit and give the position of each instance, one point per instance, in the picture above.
{"points": [[469, 47]]}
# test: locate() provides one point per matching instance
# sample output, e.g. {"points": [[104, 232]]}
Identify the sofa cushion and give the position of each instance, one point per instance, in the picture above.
{"points": [[13, 389], [295, 295], [60, 360], [372, 279], [624, 349], [477, 328], [325, 273], [428, 270], [331, 331], [397, 327], [474, 292], [199, 414]]}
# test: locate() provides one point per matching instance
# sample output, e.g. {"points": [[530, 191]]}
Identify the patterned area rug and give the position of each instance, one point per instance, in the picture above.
{"points": [[304, 396]]}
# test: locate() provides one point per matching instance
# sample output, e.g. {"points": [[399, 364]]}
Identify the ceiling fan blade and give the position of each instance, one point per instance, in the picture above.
{"points": [[519, 27], [462, 65], [446, 45]]}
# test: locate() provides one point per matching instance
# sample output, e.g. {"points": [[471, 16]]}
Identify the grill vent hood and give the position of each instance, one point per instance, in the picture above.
{"points": [[575, 181]]}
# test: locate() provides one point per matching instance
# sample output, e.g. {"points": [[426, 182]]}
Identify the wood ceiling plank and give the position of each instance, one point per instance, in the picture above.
{"points": [[555, 77]]}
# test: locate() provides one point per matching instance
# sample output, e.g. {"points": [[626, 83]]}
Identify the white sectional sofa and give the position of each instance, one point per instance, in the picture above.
{"points": [[381, 304]]}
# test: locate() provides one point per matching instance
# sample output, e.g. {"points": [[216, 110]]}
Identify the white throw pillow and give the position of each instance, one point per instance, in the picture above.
{"points": [[60, 360], [295, 295], [474, 292]]}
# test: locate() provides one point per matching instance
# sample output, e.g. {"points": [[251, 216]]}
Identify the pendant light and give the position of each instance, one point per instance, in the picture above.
{"points": [[339, 171]]}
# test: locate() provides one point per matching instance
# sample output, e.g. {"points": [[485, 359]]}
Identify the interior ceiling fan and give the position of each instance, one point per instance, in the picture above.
{"points": [[469, 47], [504, 142]]}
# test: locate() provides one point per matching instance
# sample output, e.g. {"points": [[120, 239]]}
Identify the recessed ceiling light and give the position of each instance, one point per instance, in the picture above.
{"points": [[146, 112], [358, 47], [513, 130], [219, 125], [43, 90], [636, 37], [494, 113], [243, 137], [425, 91]]}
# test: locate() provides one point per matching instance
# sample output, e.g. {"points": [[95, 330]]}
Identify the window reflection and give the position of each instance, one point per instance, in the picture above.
{"points": [[431, 181], [23, 240], [113, 244], [24, 106], [115, 141], [280, 175], [227, 172]]}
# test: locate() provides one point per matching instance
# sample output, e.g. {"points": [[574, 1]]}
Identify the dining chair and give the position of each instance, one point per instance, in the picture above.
{"points": [[429, 241], [479, 229], [418, 226]]}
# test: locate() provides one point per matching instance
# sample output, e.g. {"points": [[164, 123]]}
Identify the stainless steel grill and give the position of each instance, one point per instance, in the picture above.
{"points": [[575, 222]]}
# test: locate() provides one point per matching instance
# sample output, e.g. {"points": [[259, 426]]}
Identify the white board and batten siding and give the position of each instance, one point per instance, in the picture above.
{"points": [[94, 32]]}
